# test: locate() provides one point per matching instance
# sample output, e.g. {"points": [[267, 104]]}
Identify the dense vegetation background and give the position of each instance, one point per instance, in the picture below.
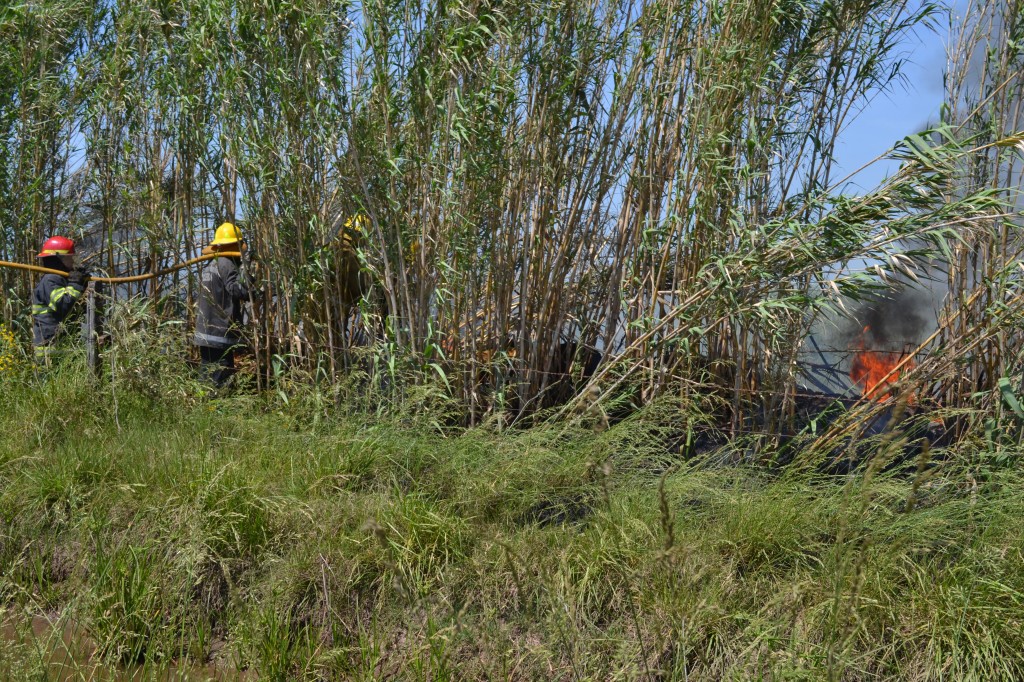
{"points": [[486, 191]]}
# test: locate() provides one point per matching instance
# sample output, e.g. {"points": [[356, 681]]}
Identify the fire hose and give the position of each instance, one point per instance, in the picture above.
{"points": [[124, 280]]}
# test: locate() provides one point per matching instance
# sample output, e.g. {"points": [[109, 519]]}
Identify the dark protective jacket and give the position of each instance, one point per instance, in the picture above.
{"points": [[52, 302], [223, 290]]}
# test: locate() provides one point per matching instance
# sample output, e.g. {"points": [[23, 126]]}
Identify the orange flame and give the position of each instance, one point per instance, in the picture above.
{"points": [[873, 371]]}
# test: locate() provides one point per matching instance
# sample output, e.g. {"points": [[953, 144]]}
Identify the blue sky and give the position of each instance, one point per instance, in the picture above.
{"points": [[906, 108]]}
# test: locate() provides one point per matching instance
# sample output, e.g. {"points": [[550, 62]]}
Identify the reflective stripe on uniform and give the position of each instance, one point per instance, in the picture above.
{"points": [[55, 296], [211, 338], [60, 292], [47, 355]]}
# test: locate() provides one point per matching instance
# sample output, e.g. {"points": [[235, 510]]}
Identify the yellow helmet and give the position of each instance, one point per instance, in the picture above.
{"points": [[356, 222], [227, 233], [353, 229]]}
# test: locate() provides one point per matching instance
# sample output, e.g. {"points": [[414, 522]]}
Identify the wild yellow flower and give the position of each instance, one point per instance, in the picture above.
{"points": [[10, 357]]}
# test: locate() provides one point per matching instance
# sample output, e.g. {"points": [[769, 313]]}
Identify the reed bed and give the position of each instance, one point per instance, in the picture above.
{"points": [[496, 195]]}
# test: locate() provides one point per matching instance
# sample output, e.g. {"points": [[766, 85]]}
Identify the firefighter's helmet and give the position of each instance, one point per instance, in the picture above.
{"points": [[57, 246], [227, 233]]}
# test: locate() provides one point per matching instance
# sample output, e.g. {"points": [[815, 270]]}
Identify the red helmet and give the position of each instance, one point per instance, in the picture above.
{"points": [[57, 246]]}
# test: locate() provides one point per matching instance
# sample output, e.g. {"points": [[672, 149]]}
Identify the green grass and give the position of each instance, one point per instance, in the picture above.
{"points": [[349, 547]]}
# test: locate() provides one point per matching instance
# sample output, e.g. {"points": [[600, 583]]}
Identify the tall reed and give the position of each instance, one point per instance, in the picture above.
{"points": [[495, 193]]}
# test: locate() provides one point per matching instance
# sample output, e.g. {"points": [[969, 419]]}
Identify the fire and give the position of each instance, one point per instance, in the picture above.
{"points": [[873, 370]]}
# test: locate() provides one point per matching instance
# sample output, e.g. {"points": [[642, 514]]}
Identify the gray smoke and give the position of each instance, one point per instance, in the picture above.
{"points": [[893, 321], [897, 319]]}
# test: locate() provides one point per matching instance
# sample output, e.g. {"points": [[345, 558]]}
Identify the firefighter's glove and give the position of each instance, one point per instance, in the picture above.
{"points": [[78, 277]]}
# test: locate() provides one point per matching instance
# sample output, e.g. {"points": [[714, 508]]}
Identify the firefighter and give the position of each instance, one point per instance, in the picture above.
{"points": [[53, 299], [224, 289]]}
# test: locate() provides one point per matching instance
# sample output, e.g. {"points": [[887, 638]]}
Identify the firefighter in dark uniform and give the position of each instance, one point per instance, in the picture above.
{"points": [[54, 297], [223, 291]]}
